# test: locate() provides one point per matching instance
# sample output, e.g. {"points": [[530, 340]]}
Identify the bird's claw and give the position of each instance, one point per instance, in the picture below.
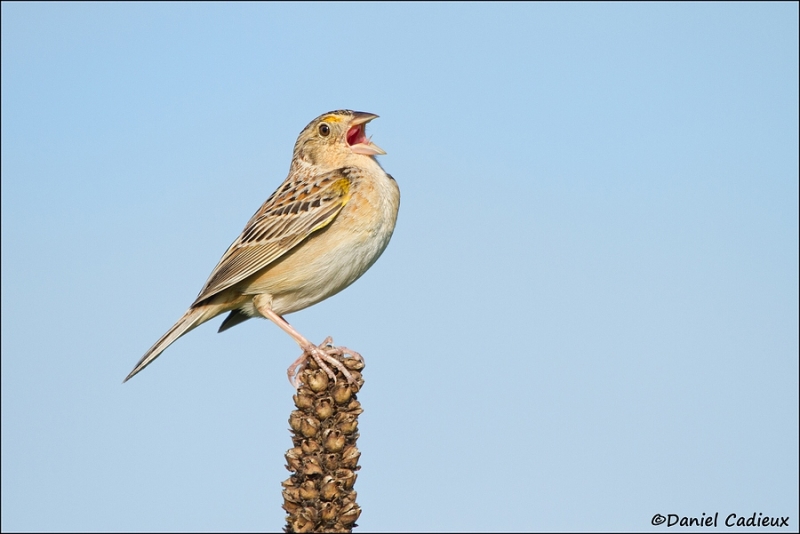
{"points": [[325, 355]]}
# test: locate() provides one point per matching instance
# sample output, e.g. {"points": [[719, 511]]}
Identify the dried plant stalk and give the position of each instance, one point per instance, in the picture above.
{"points": [[319, 495]]}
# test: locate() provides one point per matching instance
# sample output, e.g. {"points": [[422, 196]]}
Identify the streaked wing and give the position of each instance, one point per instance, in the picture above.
{"points": [[293, 212]]}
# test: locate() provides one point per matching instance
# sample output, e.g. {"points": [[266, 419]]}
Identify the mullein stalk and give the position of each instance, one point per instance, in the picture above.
{"points": [[319, 495]]}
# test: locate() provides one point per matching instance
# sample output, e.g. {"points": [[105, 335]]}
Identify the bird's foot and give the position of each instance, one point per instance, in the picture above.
{"points": [[325, 355]]}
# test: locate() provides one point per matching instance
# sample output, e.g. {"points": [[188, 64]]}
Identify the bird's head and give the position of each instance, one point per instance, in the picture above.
{"points": [[334, 138]]}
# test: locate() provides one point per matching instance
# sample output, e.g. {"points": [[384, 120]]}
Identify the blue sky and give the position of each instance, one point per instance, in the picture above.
{"points": [[588, 313]]}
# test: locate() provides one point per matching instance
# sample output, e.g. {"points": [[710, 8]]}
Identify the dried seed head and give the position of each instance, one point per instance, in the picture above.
{"points": [[303, 400], [309, 427], [305, 520], [329, 511], [311, 466], [293, 461], [308, 491], [357, 381], [296, 420], [330, 462], [346, 422], [346, 477], [353, 364], [319, 495], [310, 446], [354, 408], [290, 506], [302, 525], [329, 489], [292, 494], [342, 392], [349, 513], [317, 380], [333, 440], [323, 408], [350, 456]]}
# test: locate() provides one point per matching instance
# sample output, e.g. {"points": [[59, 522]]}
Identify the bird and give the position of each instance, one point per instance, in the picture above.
{"points": [[322, 228]]}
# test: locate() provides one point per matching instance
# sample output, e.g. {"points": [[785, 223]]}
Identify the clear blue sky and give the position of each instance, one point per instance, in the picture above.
{"points": [[588, 313]]}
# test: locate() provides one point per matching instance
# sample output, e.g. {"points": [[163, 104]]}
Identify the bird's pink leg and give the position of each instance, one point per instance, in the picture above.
{"points": [[322, 354]]}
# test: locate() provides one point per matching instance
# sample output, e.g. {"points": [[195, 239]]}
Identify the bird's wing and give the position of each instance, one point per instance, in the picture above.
{"points": [[297, 209]]}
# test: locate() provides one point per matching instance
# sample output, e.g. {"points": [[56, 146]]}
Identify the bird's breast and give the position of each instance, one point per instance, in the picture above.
{"points": [[336, 256]]}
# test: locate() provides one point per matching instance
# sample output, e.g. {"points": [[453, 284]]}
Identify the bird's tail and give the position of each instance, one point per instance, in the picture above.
{"points": [[192, 318]]}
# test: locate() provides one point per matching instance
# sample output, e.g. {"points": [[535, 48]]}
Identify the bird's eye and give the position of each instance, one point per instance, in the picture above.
{"points": [[324, 129]]}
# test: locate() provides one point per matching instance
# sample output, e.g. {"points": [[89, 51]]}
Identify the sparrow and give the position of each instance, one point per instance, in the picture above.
{"points": [[325, 225]]}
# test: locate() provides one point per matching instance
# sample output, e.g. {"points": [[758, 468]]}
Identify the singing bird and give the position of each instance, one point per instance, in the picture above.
{"points": [[324, 226]]}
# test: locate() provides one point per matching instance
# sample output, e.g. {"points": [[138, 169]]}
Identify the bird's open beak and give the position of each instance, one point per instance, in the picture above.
{"points": [[357, 138]]}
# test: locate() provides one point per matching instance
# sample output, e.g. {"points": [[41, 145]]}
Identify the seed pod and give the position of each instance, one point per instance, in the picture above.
{"points": [[354, 408], [296, 420], [353, 364], [329, 511], [310, 447], [318, 381], [333, 440], [329, 490], [342, 392], [291, 507], [349, 513], [309, 427], [346, 422], [303, 401], [331, 462], [311, 466], [346, 477], [309, 491], [292, 494], [293, 458], [350, 456], [323, 408], [305, 520]]}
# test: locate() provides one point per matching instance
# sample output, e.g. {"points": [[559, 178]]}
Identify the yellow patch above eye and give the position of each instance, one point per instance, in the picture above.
{"points": [[331, 118]]}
